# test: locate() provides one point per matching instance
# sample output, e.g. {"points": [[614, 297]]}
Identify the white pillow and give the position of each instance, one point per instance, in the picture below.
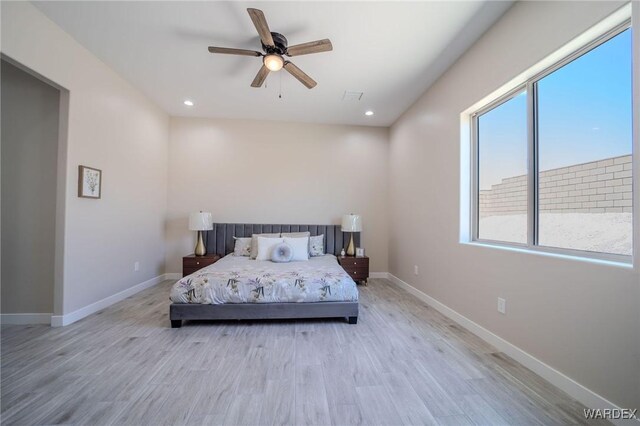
{"points": [[266, 246], [242, 247], [297, 235], [300, 247], [254, 242]]}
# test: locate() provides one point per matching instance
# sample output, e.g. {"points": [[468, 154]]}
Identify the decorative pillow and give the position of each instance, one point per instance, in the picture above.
{"points": [[254, 242], [266, 246], [299, 246], [282, 253], [242, 247], [316, 245]]}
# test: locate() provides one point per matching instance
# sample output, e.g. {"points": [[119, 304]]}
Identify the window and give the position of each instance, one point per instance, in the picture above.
{"points": [[502, 171], [553, 158]]}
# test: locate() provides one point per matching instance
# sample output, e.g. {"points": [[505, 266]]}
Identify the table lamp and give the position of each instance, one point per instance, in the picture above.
{"points": [[351, 223], [201, 221]]}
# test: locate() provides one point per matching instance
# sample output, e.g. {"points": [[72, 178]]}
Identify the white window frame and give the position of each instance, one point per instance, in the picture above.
{"points": [[530, 86]]}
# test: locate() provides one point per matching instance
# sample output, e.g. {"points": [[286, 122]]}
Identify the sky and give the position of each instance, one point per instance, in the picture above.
{"points": [[584, 115]]}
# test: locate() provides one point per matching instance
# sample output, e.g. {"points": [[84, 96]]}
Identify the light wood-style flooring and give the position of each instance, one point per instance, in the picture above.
{"points": [[403, 363]]}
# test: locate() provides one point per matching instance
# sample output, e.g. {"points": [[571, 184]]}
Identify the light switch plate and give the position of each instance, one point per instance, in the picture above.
{"points": [[502, 305]]}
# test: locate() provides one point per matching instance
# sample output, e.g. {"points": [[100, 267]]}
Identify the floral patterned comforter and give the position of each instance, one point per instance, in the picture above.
{"points": [[236, 279]]}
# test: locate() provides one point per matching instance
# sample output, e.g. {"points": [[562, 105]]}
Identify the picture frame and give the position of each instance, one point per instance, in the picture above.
{"points": [[89, 182], [359, 252]]}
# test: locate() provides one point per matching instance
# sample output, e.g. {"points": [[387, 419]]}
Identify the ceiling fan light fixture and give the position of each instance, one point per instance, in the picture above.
{"points": [[273, 62], [275, 46]]}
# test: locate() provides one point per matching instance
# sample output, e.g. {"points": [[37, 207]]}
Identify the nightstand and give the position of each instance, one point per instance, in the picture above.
{"points": [[192, 263], [356, 267]]}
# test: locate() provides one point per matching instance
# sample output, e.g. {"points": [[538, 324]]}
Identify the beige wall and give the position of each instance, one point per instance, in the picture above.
{"points": [[30, 112], [580, 318], [112, 127], [269, 172]]}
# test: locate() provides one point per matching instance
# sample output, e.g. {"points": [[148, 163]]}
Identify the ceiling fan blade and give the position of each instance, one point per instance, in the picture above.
{"points": [[260, 77], [310, 47], [261, 25], [231, 51], [300, 75]]}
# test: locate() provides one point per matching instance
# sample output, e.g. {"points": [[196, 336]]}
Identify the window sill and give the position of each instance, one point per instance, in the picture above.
{"points": [[623, 261]]}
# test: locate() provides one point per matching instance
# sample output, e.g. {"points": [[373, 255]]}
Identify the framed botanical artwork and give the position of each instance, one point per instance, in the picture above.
{"points": [[359, 252], [89, 182]]}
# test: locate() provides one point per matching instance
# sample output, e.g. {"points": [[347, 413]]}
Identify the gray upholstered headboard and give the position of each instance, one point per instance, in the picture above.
{"points": [[220, 239]]}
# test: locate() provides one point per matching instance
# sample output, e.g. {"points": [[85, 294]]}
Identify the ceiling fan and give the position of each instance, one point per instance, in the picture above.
{"points": [[275, 47]]}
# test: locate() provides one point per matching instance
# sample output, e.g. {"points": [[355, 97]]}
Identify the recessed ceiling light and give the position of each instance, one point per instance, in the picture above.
{"points": [[368, 113], [188, 102]]}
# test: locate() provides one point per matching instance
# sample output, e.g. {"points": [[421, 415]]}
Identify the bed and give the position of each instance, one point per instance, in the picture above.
{"points": [[236, 288]]}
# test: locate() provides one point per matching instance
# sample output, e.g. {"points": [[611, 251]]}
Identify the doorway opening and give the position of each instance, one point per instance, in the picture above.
{"points": [[33, 177]]}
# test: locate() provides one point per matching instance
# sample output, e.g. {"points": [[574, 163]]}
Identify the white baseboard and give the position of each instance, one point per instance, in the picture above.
{"points": [[173, 276], [70, 318], [24, 319], [577, 391]]}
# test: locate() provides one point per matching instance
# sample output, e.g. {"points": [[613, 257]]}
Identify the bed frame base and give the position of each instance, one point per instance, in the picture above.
{"points": [[253, 311]]}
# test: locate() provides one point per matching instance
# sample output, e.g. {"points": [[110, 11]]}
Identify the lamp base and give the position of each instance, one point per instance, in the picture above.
{"points": [[200, 249], [351, 250]]}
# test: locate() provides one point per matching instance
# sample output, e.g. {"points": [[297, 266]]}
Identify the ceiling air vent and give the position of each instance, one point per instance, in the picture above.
{"points": [[350, 95]]}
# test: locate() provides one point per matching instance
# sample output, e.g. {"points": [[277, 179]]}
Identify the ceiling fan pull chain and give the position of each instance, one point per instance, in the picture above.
{"points": [[280, 94]]}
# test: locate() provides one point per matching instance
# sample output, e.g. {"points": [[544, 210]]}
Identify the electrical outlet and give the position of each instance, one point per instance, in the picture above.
{"points": [[415, 269], [136, 266], [502, 305]]}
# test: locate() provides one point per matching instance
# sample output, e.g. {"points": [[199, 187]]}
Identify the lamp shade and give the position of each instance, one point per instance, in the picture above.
{"points": [[351, 223], [201, 221]]}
